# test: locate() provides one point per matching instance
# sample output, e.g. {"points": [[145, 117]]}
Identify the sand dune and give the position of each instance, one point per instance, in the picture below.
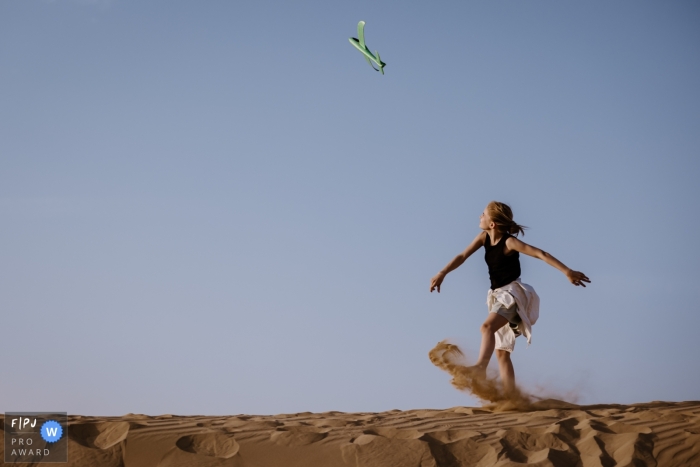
{"points": [[548, 433]]}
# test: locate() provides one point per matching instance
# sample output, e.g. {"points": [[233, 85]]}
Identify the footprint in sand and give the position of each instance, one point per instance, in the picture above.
{"points": [[215, 444], [385, 447], [99, 435], [98, 443], [298, 435], [616, 443], [522, 446]]}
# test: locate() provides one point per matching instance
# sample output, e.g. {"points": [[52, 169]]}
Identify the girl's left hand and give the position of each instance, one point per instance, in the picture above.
{"points": [[577, 278], [436, 281]]}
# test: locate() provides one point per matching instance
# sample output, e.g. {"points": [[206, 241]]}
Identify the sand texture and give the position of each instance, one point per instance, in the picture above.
{"points": [[548, 433]]}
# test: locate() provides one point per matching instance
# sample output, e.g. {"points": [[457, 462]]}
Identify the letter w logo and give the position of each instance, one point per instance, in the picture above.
{"points": [[52, 431]]}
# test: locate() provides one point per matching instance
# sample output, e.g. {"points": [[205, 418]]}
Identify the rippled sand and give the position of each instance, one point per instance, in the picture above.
{"points": [[548, 433]]}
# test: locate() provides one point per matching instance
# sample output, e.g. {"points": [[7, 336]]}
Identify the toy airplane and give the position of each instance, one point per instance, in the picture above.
{"points": [[360, 45]]}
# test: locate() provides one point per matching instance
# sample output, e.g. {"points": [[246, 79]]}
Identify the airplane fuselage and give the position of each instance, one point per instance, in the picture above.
{"points": [[366, 52]]}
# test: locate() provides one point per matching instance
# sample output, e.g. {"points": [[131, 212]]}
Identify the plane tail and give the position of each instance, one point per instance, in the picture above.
{"points": [[381, 63]]}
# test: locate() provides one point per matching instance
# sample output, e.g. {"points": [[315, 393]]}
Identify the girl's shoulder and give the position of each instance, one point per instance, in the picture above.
{"points": [[512, 243], [511, 240]]}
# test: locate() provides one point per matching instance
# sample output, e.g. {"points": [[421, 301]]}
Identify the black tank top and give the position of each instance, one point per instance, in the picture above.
{"points": [[502, 269]]}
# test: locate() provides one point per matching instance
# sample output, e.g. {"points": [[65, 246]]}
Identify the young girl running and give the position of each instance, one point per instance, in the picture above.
{"points": [[513, 306]]}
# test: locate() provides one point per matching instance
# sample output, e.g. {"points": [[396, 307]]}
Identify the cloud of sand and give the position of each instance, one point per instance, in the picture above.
{"points": [[489, 390]]}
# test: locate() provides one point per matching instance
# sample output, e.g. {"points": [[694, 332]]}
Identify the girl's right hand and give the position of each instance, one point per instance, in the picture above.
{"points": [[436, 281], [577, 278]]}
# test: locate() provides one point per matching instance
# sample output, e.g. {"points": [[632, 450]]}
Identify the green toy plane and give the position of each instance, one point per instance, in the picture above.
{"points": [[360, 45]]}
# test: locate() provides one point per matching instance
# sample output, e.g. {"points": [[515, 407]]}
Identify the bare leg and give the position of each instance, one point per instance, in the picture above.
{"points": [[488, 341], [507, 371]]}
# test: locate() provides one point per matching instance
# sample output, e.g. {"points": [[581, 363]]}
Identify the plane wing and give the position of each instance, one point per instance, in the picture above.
{"points": [[361, 33]]}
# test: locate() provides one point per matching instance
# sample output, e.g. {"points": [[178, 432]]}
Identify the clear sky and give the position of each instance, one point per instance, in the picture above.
{"points": [[219, 208]]}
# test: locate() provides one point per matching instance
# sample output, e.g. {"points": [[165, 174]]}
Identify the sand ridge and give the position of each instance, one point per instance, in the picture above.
{"points": [[548, 433]]}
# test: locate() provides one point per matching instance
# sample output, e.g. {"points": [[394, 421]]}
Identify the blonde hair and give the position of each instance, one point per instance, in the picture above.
{"points": [[502, 216]]}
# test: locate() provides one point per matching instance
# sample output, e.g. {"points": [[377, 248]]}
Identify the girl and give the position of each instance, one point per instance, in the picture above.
{"points": [[510, 302]]}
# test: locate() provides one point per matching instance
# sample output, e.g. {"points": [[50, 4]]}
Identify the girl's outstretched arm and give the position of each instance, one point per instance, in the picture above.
{"points": [[457, 261], [575, 277]]}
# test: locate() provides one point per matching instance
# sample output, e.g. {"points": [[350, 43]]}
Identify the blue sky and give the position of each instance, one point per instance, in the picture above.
{"points": [[219, 208]]}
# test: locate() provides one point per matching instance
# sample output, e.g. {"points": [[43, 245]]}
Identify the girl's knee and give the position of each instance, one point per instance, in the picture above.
{"points": [[493, 323], [489, 327]]}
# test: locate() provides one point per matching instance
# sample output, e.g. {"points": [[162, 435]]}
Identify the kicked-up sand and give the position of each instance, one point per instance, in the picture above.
{"points": [[546, 433]]}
